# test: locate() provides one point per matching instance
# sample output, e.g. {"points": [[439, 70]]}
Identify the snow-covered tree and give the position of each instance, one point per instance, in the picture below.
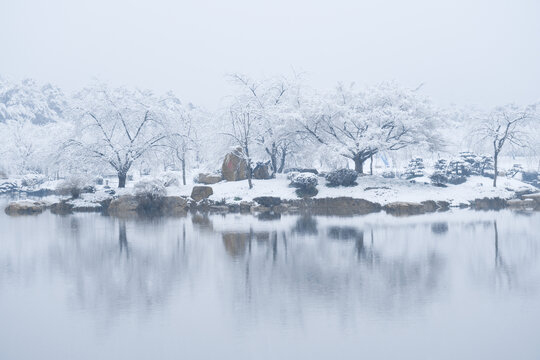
{"points": [[116, 126], [507, 125], [28, 101], [358, 124], [276, 99], [245, 116]]}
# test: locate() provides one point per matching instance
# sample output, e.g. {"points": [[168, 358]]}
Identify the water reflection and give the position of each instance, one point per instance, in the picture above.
{"points": [[293, 270]]}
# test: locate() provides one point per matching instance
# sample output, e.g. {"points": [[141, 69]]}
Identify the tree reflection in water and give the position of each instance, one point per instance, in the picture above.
{"points": [[281, 268]]}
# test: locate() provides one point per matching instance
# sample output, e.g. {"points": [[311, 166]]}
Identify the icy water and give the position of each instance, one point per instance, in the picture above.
{"points": [[456, 285]]}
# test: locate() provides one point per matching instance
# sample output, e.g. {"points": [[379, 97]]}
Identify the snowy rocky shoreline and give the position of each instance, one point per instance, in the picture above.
{"points": [[274, 197]]}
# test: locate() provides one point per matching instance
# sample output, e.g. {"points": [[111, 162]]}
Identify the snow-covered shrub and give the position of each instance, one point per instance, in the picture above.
{"points": [[441, 165], [151, 188], [33, 180], [73, 186], [302, 180], [439, 178], [150, 194], [301, 170], [389, 174], [515, 170], [99, 180], [341, 177], [170, 179], [459, 167], [414, 169], [456, 179], [483, 166], [305, 183]]}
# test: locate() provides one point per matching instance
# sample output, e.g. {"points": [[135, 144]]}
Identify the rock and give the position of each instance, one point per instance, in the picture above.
{"points": [[306, 192], [201, 192], [268, 201], [488, 204], [430, 206], [335, 206], [218, 209], [261, 172], [24, 207], [209, 179], [61, 208], [245, 206], [535, 197], [443, 205], [125, 205], [174, 205], [234, 166], [521, 204], [400, 208]]}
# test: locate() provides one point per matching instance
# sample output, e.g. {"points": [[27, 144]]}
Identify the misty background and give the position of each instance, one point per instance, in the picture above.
{"points": [[465, 52]]}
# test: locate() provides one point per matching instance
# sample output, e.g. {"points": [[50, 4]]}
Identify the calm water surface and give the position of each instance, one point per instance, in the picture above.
{"points": [[456, 285]]}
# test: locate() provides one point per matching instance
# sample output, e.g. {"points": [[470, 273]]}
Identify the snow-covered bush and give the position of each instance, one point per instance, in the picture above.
{"points": [[150, 194], [150, 188], [73, 185], [389, 174], [33, 180], [170, 179], [305, 183], [515, 170], [481, 165], [302, 180], [414, 169], [459, 167], [341, 177]]}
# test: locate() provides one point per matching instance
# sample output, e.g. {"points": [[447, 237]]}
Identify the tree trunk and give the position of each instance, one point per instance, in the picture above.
{"points": [[495, 166], [371, 165], [122, 179], [282, 162], [184, 172], [359, 164], [249, 174]]}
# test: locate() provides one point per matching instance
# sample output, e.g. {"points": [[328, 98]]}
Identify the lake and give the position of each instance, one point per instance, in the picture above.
{"points": [[453, 285]]}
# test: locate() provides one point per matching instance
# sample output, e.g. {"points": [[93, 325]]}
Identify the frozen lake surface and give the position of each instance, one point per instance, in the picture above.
{"points": [[455, 285]]}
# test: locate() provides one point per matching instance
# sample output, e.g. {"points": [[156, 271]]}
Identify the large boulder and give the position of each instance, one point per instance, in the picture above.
{"points": [[489, 203], [344, 206], [123, 206], [174, 205], [234, 166], [268, 201], [24, 207], [401, 208], [261, 172], [208, 179], [201, 192]]}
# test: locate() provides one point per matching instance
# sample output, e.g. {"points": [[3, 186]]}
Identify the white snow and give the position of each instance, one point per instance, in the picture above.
{"points": [[383, 190]]}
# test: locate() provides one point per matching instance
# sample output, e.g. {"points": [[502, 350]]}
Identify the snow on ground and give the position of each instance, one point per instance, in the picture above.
{"points": [[372, 188]]}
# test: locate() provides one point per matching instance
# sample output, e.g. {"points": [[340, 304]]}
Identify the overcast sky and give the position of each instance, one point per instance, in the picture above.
{"points": [[465, 51]]}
